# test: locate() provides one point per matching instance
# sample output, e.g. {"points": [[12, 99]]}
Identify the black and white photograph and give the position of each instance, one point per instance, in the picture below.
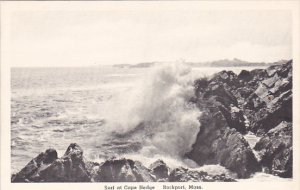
{"points": [[148, 92]]}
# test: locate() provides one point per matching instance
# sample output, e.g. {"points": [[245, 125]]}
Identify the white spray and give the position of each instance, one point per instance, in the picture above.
{"points": [[157, 111]]}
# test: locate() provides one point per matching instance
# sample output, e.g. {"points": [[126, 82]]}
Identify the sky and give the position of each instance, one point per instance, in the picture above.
{"points": [[83, 38]]}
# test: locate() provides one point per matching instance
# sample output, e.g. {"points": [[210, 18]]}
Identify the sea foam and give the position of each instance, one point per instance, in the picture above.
{"points": [[157, 111]]}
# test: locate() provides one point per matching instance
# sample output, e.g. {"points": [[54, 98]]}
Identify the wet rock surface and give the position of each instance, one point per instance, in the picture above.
{"points": [[46, 167], [276, 150], [217, 143], [72, 167], [232, 105], [160, 170], [123, 170]]}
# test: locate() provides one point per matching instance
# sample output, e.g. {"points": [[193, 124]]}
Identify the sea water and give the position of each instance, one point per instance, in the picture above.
{"points": [[138, 113]]}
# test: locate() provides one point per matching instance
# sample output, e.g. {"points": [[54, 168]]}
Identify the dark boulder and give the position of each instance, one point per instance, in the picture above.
{"points": [[275, 149], [69, 168], [123, 170], [185, 175], [30, 173], [234, 118], [216, 98], [46, 167], [271, 118], [160, 170], [253, 102], [258, 74], [216, 143], [200, 85], [286, 69], [225, 97], [220, 139], [225, 77], [245, 76]]}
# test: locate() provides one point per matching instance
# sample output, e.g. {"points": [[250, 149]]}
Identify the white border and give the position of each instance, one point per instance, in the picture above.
{"points": [[8, 8]]}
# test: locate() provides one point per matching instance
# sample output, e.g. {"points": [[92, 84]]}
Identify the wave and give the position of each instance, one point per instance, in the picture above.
{"points": [[156, 111]]}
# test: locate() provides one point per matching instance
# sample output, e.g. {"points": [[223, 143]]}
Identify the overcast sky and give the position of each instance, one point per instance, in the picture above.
{"points": [[81, 38]]}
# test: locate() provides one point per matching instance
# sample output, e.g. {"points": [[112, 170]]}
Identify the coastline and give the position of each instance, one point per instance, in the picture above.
{"points": [[225, 99]]}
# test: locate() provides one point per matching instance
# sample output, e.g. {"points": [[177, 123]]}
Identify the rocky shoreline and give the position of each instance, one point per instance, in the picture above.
{"points": [[257, 102], [73, 167]]}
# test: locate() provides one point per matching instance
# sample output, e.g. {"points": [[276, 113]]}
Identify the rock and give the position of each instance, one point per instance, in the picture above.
{"points": [[285, 70], [160, 170], [231, 105], [271, 101], [258, 75], [270, 82], [225, 77], [69, 168], [93, 168], [123, 170], [271, 118], [276, 150], [31, 171], [200, 85], [234, 118], [272, 70], [245, 76], [46, 167], [253, 102], [261, 92], [244, 92], [222, 122], [216, 143], [221, 95], [223, 100], [184, 175]]}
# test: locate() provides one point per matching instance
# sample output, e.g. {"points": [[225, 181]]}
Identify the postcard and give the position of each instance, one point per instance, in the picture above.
{"points": [[150, 95]]}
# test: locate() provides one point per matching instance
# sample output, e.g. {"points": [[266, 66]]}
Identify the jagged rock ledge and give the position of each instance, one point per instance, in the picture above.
{"points": [[257, 102], [73, 167]]}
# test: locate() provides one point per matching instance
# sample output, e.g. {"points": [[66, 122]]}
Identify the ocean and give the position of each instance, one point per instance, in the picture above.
{"points": [[138, 113]]}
